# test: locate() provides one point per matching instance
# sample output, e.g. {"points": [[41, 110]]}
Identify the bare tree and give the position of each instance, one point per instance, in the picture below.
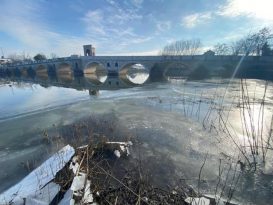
{"points": [[221, 49], [182, 47], [236, 48], [16, 58], [53, 56], [252, 44]]}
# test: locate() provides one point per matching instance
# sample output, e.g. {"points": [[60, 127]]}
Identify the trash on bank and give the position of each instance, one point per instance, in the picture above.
{"points": [[197, 201], [71, 177]]}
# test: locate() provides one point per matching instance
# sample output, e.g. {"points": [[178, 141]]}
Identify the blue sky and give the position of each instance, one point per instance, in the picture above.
{"points": [[125, 27]]}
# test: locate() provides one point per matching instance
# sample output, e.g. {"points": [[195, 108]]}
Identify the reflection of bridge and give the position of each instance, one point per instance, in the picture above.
{"points": [[119, 66], [69, 81]]}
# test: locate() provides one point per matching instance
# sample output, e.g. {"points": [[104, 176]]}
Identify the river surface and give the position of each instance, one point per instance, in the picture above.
{"points": [[179, 119]]}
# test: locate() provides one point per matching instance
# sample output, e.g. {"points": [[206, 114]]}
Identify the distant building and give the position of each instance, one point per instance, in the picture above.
{"points": [[4, 60], [89, 50], [209, 53]]}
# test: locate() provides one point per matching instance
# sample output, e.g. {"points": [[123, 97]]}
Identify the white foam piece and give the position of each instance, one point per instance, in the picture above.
{"points": [[78, 182], [117, 153], [197, 201]]}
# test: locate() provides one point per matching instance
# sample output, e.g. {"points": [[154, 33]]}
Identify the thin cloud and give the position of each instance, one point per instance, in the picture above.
{"points": [[137, 3], [195, 19], [25, 23], [260, 9], [110, 28], [163, 26]]}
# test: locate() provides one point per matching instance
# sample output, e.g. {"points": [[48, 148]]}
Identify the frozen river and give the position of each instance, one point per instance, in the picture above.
{"points": [[186, 122]]}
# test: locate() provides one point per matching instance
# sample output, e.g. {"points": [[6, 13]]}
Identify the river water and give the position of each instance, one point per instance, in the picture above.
{"points": [[179, 119]]}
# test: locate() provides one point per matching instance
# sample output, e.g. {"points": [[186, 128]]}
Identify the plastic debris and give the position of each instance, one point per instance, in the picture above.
{"points": [[117, 153], [88, 196], [78, 182], [74, 166], [197, 201], [123, 148]]}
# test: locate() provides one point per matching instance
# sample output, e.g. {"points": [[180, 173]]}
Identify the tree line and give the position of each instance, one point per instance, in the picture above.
{"points": [[257, 44], [23, 57]]}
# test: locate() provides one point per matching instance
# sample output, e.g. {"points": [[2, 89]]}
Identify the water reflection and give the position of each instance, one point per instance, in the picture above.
{"points": [[95, 79], [95, 73], [65, 78], [134, 74], [138, 78], [64, 68]]}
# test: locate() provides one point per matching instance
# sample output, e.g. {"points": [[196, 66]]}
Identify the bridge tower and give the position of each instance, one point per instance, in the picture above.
{"points": [[89, 50]]}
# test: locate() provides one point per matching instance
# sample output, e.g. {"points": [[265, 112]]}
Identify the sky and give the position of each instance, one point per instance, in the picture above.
{"points": [[125, 27]]}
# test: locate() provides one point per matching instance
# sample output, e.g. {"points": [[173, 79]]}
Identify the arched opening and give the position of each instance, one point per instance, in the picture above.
{"points": [[116, 64], [87, 51], [168, 70], [65, 72], [95, 72], [41, 71], [64, 68], [175, 70], [134, 73]]}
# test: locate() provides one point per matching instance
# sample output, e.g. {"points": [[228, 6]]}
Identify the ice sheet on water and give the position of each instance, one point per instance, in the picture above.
{"points": [[44, 196], [67, 199], [268, 168], [31, 185]]}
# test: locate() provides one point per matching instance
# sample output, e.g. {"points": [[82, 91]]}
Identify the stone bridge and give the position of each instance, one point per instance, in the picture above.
{"points": [[119, 66]]}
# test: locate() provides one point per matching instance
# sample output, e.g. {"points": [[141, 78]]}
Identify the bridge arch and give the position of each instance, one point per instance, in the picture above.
{"points": [[166, 70], [95, 72], [41, 71], [64, 72], [64, 68], [134, 73]]}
